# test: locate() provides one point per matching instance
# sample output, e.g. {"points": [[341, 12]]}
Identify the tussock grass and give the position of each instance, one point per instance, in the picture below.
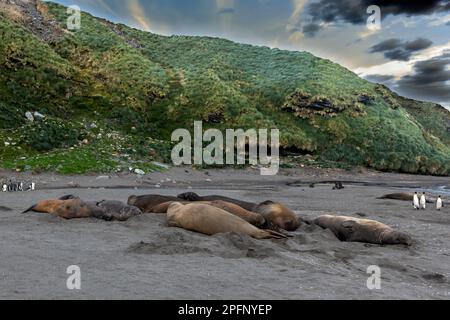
{"points": [[141, 86]]}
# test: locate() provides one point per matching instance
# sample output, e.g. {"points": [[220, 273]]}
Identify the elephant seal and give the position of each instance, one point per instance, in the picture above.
{"points": [[119, 210], [362, 230], [253, 218], [147, 203], [275, 213], [210, 220], [403, 197], [70, 209]]}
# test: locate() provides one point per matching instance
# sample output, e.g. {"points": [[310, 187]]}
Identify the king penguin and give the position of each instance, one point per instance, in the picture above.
{"points": [[439, 204], [423, 201], [416, 201]]}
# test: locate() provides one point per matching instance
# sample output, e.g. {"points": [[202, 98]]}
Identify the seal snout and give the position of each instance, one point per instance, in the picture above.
{"points": [[291, 225], [407, 240], [398, 237]]}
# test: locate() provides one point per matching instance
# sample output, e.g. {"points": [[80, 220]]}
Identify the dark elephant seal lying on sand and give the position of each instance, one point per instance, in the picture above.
{"points": [[210, 220], [71, 207], [147, 203], [274, 212], [361, 230]]}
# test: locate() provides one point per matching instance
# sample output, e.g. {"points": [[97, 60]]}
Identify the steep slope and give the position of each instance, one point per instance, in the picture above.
{"points": [[114, 81]]}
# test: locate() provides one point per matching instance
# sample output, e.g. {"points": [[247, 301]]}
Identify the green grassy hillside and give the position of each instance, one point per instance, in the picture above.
{"points": [[112, 95]]}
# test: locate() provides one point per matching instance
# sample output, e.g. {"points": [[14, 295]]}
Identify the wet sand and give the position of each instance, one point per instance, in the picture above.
{"points": [[144, 259]]}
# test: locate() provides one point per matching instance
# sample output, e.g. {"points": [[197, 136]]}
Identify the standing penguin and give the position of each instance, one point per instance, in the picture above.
{"points": [[21, 186], [33, 186], [439, 204], [10, 186], [423, 201], [4, 187], [416, 201]]}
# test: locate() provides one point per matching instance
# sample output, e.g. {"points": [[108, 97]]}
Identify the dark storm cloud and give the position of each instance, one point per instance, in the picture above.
{"points": [[387, 45], [311, 29], [418, 44], [355, 11], [398, 54], [396, 49], [429, 80]]}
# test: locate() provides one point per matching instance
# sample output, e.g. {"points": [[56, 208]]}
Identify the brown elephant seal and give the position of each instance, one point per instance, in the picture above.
{"points": [[193, 197], [119, 210], [362, 230], [275, 213], [70, 209], [253, 218], [403, 196], [147, 203], [210, 220], [279, 215]]}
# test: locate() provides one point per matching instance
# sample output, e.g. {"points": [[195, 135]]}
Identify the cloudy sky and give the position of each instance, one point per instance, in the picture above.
{"points": [[410, 52]]}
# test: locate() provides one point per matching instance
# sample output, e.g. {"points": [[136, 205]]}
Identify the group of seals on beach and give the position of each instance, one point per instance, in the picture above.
{"points": [[266, 214], [218, 214]]}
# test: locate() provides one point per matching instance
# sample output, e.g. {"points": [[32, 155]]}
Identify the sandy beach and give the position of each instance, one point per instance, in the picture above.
{"points": [[144, 259]]}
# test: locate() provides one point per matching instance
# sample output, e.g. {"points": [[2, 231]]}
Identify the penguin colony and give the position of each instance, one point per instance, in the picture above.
{"points": [[420, 202], [13, 186]]}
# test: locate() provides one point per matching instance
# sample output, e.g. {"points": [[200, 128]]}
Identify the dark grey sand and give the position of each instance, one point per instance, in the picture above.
{"points": [[144, 259]]}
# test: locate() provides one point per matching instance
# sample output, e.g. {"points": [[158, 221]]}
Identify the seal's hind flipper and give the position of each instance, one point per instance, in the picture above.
{"points": [[276, 235], [272, 227], [189, 196], [29, 209]]}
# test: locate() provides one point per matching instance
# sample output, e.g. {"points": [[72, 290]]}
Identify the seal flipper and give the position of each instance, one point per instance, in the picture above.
{"points": [[277, 235], [189, 196], [29, 209], [347, 231], [272, 227], [349, 225]]}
